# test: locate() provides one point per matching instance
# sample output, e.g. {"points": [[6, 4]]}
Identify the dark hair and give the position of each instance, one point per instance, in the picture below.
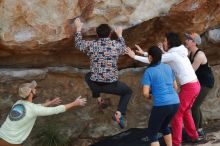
{"points": [[156, 53], [173, 40], [103, 30]]}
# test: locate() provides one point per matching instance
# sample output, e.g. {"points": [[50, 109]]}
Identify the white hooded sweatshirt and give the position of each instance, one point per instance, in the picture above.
{"points": [[177, 58]]}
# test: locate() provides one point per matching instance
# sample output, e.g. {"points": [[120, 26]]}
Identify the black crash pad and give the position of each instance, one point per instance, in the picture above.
{"points": [[131, 137]]}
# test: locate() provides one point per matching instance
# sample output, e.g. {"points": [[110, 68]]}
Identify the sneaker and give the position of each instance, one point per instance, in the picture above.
{"points": [[200, 140], [119, 120], [195, 140], [145, 139], [201, 133]]}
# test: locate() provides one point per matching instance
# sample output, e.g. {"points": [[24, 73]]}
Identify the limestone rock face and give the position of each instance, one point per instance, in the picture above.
{"points": [[36, 43], [39, 33], [45, 21], [214, 35], [87, 122]]}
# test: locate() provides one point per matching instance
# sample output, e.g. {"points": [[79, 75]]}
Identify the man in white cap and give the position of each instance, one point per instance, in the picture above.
{"points": [[23, 114], [204, 74]]}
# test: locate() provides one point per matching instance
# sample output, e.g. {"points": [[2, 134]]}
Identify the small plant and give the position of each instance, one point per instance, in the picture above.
{"points": [[51, 136]]}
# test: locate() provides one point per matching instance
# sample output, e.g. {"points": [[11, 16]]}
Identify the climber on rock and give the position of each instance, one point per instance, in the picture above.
{"points": [[103, 76]]}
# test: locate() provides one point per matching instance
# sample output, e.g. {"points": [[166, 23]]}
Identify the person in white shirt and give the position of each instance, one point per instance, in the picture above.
{"points": [[23, 114], [176, 55]]}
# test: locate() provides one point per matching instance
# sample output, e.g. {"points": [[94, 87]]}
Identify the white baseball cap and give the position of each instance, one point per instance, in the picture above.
{"points": [[25, 89], [194, 37]]}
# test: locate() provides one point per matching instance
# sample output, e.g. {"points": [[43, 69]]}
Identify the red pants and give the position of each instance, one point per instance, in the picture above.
{"points": [[187, 95]]}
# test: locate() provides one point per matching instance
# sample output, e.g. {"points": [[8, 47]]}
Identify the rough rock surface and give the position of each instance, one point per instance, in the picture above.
{"points": [[39, 33], [36, 43], [214, 35], [44, 21], [88, 122]]}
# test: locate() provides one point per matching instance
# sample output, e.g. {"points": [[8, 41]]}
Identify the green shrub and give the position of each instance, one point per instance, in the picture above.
{"points": [[50, 136]]}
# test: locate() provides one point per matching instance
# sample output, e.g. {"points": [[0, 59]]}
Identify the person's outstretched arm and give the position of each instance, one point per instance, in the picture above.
{"points": [[131, 53], [140, 51], [120, 43], [78, 102], [55, 101], [80, 44], [166, 56], [46, 111]]}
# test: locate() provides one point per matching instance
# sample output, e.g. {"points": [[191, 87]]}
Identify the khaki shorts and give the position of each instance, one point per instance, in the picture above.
{"points": [[4, 143]]}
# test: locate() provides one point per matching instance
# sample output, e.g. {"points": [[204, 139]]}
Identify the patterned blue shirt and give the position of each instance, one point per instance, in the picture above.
{"points": [[103, 54]]}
